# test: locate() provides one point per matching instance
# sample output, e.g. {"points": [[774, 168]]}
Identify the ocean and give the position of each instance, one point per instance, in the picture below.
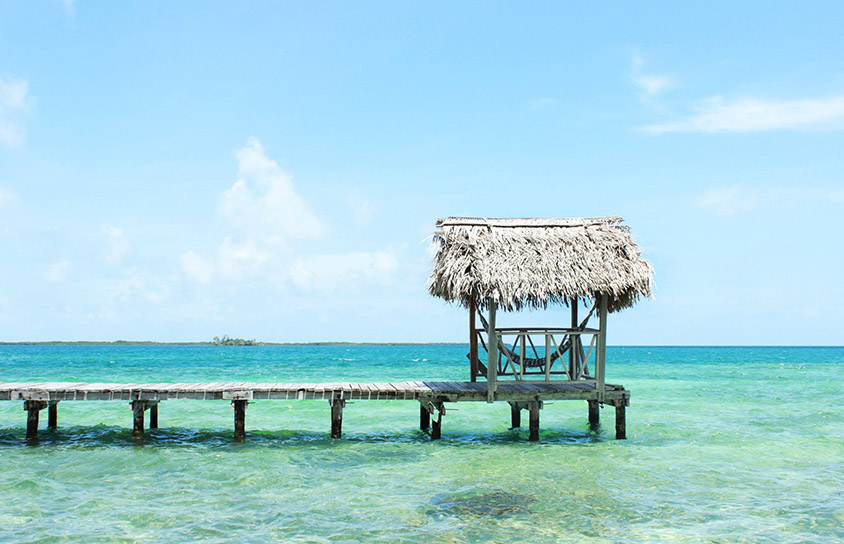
{"points": [[725, 445]]}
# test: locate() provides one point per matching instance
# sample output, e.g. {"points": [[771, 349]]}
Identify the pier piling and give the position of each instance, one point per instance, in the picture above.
{"points": [[337, 417], [533, 408], [620, 421], [437, 423], [53, 415], [239, 418], [138, 407], [32, 407], [594, 413], [424, 417], [515, 415], [153, 415]]}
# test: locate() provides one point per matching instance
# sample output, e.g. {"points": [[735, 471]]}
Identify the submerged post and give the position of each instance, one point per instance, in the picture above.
{"points": [[424, 417], [492, 360], [153, 415], [515, 415], [620, 421], [533, 408], [53, 415], [138, 407], [337, 405], [594, 413], [239, 418]]}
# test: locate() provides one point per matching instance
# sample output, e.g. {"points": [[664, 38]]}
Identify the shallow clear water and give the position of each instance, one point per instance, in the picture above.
{"points": [[725, 445]]}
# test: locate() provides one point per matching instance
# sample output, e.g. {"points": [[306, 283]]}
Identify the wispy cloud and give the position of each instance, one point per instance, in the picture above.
{"points": [[57, 272], [542, 103], [270, 224], [14, 101], [736, 200], [717, 114], [118, 244], [7, 197], [264, 203], [650, 85]]}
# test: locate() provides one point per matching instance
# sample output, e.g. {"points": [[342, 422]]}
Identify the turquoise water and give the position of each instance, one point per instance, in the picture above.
{"points": [[725, 445]]}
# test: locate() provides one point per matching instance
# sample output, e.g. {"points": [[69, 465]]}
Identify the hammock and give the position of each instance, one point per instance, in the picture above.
{"points": [[532, 362]]}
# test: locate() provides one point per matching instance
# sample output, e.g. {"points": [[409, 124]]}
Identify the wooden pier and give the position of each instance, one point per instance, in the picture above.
{"points": [[431, 395]]}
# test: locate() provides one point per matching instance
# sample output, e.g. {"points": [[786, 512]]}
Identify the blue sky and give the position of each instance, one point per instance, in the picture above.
{"points": [[176, 171]]}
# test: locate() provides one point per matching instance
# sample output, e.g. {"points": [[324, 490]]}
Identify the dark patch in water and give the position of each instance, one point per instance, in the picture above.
{"points": [[496, 504]]}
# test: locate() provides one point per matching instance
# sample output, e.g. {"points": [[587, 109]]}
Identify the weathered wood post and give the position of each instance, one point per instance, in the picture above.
{"points": [[53, 415], [138, 407], [239, 418], [573, 342], [32, 408], [620, 421], [436, 424], [515, 415], [594, 413], [533, 408], [601, 354], [473, 343], [492, 359], [337, 405], [424, 416], [153, 415]]}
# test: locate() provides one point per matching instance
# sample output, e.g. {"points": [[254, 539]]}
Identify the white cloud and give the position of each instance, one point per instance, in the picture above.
{"points": [[236, 261], [14, 101], [327, 272], [263, 203], [541, 103], [196, 267], [119, 245], [7, 197], [57, 272], [650, 85], [739, 199], [732, 200], [361, 208], [716, 114]]}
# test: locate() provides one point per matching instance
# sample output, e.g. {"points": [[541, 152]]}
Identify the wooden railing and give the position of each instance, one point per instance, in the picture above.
{"points": [[567, 354]]}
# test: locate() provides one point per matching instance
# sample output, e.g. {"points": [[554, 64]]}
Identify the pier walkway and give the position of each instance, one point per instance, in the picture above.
{"points": [[432, 396]]}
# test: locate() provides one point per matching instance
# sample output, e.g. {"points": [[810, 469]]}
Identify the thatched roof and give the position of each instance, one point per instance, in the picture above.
{"points": [[536, 261]]}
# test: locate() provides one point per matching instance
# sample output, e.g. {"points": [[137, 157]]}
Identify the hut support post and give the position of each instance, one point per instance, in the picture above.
{"points": [[32, 408], [424, 417], [533, 408], [337, 405], [437, 423], [492, 361], [601, 359], [594, 413], [153, 415], [53, 415], [473, 343], [138, 408], [240, 418], [620, 421], [515, 415], [572, 342]]}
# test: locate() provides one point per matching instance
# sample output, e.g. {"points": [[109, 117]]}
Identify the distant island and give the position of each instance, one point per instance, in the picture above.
{"points": [[226, 341]]}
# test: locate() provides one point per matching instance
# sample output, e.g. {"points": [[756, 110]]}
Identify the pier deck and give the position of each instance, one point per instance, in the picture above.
{"points": [[431, 394]]}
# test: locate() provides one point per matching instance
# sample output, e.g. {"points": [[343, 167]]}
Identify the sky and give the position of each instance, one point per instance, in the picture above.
{"points": [[176, 171]]}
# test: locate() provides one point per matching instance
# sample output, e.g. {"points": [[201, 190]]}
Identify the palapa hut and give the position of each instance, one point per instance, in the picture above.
{"points": [[509, 264]]}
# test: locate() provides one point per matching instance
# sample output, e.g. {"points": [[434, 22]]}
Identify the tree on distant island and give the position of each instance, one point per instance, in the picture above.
{"points": [[228, 341]]}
